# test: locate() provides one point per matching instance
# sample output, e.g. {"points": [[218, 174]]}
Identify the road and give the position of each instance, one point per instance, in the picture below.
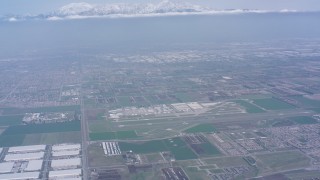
{"points": [[85, 142]]}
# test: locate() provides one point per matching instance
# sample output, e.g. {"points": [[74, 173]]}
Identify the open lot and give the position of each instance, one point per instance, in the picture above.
{"points": [[250, 108], [143, 147], [272, 104], [284, 160]]}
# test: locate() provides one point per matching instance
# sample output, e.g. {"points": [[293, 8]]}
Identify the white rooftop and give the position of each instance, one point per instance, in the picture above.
{"points": [[27, 148], [59, 147], [65, 173], [20, 176], [65, 163], [72, 152], [6, 167], [24, 156], [34, 165]]}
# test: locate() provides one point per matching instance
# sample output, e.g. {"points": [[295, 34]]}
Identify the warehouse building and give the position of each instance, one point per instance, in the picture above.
{"points": [[61, 147], [6, 167], [20, 176], [73, 152], [34, 165], [66, 163], [65, 174], [34, 148], [24, 156]]}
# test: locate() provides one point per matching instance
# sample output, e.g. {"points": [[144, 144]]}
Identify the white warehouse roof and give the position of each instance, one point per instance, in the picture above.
{"points": [[34, 165], [65, 163], [59, 147], [24, 156], [65, 173], [6, 167], [27, 148], [66, 153], [20, 176]]}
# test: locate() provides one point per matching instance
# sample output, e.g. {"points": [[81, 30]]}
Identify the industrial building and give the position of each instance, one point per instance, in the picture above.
{"points": [[20, 176], [6, 167], [24, 156], [62, 161], [61, 147], [34, 165], [73, 152], [65, 174], [27, 148], [71, 163]]}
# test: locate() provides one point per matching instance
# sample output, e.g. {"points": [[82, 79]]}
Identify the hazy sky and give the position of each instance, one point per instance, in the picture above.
{"points": [[41, 6]]}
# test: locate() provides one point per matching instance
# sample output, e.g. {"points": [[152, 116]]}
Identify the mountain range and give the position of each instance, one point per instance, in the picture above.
{"points": [[164, 8]]}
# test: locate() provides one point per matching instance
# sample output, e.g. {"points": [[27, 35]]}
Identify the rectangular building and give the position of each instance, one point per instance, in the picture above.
{"points": [[66, 163], [65, 174], [34, 165], [27, 148], [20, 176], [72, 152], [6, 167], [61, 147], [24, 156]]}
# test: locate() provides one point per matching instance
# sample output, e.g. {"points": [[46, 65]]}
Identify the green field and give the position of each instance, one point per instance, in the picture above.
{"points": [[185, 97], [179, 149], [124, 101], [272, 104], [176, 146], [102, 136], [11, 120], [11, 140], [201, 128], [284, 160], [209, 149], [52, 138], [125, 134], [250, 108], [112, 135], [43, 128], [144, 147]]}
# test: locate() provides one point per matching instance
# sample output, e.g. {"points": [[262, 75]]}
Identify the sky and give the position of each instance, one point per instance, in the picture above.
{"points": [[19, 7]]}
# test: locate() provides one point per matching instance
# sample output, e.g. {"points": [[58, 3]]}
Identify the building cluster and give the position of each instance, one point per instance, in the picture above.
{"points": [[62, 161], [111, 148], [49, 117], [177, 108]]}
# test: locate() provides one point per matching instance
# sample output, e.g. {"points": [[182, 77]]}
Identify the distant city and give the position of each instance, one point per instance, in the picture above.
{"points": [[227, 111]]}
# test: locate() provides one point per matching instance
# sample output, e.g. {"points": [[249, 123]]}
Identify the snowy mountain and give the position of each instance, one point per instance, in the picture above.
{"points": [[164, 8]]}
